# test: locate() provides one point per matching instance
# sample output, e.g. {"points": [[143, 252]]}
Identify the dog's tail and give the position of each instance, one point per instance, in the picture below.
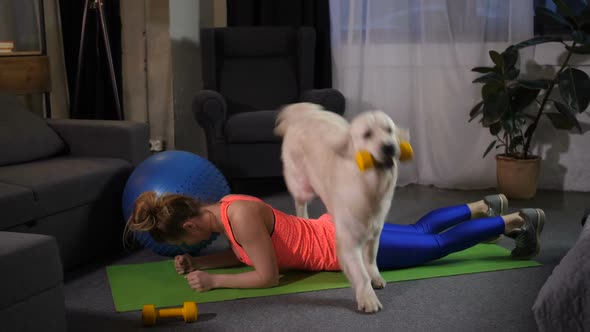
{"points": [[290, 114]]}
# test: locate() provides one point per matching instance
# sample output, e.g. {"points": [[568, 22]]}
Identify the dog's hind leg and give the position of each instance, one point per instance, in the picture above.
{"points": [[371, 248], [350, 258], [301, 209], [299, 188]]}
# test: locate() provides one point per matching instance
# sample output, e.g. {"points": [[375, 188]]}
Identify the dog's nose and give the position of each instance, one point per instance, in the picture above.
{"points": [[388, 149]]}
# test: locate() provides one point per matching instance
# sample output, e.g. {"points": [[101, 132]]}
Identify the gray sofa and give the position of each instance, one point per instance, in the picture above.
{"points": [[61, 183], [563, 303]]}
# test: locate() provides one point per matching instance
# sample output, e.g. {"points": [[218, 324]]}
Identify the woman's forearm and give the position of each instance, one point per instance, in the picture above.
{"points": [[252, 279], [222, 259]]}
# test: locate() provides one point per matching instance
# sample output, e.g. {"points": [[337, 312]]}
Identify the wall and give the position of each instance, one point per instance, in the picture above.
{"points": [[162, 66], [186, 18]]}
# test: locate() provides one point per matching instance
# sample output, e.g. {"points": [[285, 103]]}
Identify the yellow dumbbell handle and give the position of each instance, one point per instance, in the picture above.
{"points": [[188, 312], [170, 313], [364, 159]]}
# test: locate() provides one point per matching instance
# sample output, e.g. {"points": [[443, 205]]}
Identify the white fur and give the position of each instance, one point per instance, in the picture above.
{"points": [[318, 154]]}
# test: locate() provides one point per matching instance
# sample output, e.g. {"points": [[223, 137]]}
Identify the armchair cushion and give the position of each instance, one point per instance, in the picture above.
{"points": [[253, 127], [331, 99], [24, 136], [258, 42], [250, 84]]}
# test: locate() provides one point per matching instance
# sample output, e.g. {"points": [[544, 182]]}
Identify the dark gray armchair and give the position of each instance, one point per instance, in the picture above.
{"points": [[249, 73]]}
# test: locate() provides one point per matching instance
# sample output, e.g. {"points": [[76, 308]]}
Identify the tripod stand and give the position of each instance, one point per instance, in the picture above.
{"points": [[98, 6]]}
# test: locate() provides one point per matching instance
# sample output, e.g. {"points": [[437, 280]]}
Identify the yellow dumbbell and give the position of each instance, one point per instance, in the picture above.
{"points": [[407, 153], [188, 312], [365, 160]]}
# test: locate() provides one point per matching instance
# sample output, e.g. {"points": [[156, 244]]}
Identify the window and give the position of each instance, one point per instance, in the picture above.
{"points": [[386, 21]]}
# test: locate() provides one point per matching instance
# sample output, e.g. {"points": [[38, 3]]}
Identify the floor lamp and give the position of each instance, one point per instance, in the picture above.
{"points": [[98, 6]]}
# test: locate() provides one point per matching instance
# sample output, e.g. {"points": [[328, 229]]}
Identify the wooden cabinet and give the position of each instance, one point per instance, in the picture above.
{"points": [[24, 65]]}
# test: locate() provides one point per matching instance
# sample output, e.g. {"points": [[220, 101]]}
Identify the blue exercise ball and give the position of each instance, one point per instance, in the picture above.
{"points": [[174, 172]]}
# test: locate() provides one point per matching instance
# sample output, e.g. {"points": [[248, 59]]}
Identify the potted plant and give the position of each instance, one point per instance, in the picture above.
{"points": [[512, 105]]}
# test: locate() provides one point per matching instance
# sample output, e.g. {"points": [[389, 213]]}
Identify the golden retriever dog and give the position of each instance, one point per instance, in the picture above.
{"points": [[318, 154]]}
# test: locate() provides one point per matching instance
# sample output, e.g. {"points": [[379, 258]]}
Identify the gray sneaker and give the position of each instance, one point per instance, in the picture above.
{"points": [[497, 205], [528, 240]]}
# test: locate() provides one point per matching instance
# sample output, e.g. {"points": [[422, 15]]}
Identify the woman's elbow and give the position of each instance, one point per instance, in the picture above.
{"points": [[271, 281]]}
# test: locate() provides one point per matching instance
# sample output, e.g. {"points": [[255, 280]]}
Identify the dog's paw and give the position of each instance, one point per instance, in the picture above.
{"points": [[368, 302], [378, 282]]}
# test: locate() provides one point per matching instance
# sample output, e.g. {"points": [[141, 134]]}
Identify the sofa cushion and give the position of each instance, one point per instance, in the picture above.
{"points": [[61, 183], [252, 127], [15, 204], [24, 136], [30, 264]]}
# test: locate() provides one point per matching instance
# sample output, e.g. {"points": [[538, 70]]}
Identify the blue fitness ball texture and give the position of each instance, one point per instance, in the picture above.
{"points": [[174, 172]]}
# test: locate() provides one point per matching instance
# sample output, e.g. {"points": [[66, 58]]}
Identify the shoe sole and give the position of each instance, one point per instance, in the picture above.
{"points": [[503, 206], [540, 223], [539, 229]]}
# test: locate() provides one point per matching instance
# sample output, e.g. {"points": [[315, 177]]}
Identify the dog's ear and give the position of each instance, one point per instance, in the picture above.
{"points": [[403, 134]]}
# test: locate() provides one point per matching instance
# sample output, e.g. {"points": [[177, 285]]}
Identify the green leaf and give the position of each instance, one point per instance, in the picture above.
{"points": [[585, 14], [497, 58], [580, 37], [517, 140], [574, 86], [475, 111], [550, 17], [559, 121], [510, 57], [489, 148], [584, 19], [507, 124], [535, 41], [489, 77], [491, 88], [515, 143], [522, 98], [483, 70], [564, 9], [582, 49], [569, 114], [535, 84], [495, 128], [512, 73], [494, 107]]}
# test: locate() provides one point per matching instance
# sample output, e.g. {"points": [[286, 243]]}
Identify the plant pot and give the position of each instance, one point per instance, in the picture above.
{"points": [[517, 178]]}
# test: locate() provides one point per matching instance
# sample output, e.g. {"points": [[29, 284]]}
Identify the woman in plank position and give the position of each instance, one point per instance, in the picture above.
{"points": [[270, 240]]}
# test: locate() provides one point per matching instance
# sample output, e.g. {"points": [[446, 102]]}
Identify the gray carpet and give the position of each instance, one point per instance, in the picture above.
{"points": [[493, 301]]}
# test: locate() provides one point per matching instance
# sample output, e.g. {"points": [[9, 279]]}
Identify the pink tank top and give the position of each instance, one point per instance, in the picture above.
{"points": [[300, 244]]}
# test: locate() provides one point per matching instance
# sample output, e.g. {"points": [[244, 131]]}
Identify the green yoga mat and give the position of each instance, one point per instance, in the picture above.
{"points": [[158, 283]]}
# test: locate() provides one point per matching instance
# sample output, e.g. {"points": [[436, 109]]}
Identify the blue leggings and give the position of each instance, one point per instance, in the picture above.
{"points": [[410, 245]]}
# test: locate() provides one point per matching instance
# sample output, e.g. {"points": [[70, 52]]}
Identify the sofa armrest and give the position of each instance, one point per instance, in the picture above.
{"points": [[104, 138], [330, 99], [210, 111]]}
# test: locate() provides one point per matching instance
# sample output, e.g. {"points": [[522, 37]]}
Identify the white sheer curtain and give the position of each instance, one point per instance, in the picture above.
{"points": [[413, 60]]}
